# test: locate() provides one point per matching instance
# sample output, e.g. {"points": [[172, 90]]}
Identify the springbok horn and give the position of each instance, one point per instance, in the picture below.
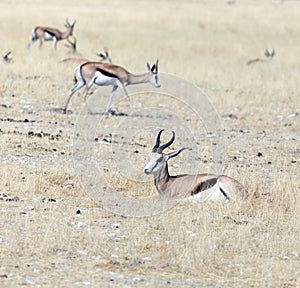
{"points": [[70, 42], [164, 146], [156, 146]]}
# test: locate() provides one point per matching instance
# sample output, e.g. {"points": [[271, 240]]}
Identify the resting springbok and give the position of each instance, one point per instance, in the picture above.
{"points": [[51, 34], [73, 50], [269, 56], [78, 58], [103, 74], [198, 188], [72, 46]]}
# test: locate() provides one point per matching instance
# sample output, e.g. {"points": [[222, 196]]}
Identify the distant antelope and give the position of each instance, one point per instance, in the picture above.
{"points": [[51, 34], [105, 56], [73, 47], [104, 74], [199, 188], [5, 57], [269, 56], [78, 59]]}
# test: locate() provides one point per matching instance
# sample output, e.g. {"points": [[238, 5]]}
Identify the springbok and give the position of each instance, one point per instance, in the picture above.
{"points": [[51, 34], [78, 58], [105, 56], [268, 54], [5, 58], [73, 50], [198, 188], [103, 74]]}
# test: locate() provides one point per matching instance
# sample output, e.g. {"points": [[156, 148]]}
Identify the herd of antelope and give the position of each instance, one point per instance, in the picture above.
{"points": [[199, 187], [89, 73]]}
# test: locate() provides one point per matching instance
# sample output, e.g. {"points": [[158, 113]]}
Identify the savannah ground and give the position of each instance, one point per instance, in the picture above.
{"points": [[52, 232]]}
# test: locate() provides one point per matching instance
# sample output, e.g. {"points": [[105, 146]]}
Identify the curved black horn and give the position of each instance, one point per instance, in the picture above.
{"points": [[156, 146], [164, 146]]}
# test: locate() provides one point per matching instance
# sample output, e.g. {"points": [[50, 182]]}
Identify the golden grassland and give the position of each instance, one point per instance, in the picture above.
{"points": [[44, 241]]}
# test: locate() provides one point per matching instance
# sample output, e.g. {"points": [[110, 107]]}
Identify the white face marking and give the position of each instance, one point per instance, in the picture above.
{"points": [[155, 164], [103, 80]]}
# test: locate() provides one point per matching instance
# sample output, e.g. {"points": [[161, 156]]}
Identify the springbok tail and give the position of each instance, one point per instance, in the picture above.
{"points": [[75, 79], [76, 73], [34, 37]]}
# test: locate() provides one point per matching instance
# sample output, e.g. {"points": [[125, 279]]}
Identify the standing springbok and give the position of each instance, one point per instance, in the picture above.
{"points": [[51, 34], [103, 74], [199, 188]]}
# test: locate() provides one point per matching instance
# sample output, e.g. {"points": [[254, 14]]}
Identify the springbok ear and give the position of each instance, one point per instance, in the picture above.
{"points": [[174, 154], [153, 68], [148, 66]]}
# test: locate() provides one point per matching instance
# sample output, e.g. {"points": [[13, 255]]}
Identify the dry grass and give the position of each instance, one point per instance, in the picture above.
{"points": [[44, 241]]}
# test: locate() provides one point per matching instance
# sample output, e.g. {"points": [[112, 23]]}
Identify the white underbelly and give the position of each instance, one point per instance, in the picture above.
{"points": [[212, 194], [103, 80], [47, 36]]}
